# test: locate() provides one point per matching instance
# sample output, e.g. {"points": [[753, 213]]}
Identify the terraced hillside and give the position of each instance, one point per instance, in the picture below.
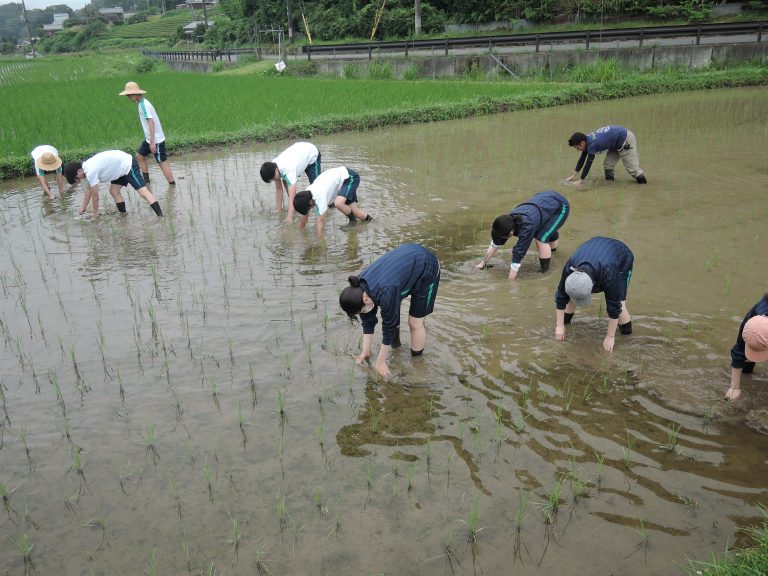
{"points": [[159, 26]]}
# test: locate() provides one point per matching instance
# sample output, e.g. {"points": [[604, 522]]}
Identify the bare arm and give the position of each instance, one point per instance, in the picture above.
{"points": [[303, 222], [278, 195], [320, 226], [488, 255], [60, 182], [608, 341], [291, 195], [560, 325], [152, 145], [381, 361], [366, 353], [735, 390], [44, 184]]}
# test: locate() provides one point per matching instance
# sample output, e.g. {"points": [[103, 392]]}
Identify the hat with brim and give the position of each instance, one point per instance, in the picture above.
{"points": [[755, 336], [48, 162], [131, 88], [578, 286]]}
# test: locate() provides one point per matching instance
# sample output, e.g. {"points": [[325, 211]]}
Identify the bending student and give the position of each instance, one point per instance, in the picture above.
{"points": [[598, 265], [408, 270], [539, 218], [751, 345]]}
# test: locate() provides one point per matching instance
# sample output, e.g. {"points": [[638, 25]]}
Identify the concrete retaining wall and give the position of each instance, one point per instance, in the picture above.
{"points": [[645, 58]]}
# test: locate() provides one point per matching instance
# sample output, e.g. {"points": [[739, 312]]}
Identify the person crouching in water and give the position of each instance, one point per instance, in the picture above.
{"points": [[751, 345], [115, 167], [334, 188], [539, 218], [599, 265], [408, 270]]}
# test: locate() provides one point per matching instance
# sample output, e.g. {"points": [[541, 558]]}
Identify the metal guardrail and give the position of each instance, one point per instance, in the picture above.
{"points": [[586, 36], [198, 55]]}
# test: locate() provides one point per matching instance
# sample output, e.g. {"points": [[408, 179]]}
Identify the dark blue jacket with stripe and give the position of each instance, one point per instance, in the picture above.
{"points": [[392, 277], [536, 211], [738, 358], [608, 262]]}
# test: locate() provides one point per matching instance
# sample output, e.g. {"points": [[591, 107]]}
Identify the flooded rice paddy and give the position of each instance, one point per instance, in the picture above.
{"points": [[180, 395]]}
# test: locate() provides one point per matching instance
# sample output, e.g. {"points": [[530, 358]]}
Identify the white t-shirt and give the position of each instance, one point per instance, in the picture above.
{"points": [[39, 151], [294, 160], [326, 187], [147, 111], [107, 166]]}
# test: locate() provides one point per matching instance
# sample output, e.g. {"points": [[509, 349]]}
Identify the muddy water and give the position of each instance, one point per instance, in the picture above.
{"points": [[206, 374]]}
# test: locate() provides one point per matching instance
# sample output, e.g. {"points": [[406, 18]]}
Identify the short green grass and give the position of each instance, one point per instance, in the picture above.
{"points": [[746, 562]]}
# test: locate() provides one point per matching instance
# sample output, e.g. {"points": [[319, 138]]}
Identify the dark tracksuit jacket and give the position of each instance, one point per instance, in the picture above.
{"points": [[601, 140], [542, 215], [738, 358], [609, 263], [394, 276]]}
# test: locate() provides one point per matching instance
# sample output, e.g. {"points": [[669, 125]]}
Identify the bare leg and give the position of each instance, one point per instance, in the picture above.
{"points": [[142, 163], [166, 170], [418, 333], [114, 189], [553, 245], [544, 249], [357, 212], [624, 316], [147, 195], [570, 308]]}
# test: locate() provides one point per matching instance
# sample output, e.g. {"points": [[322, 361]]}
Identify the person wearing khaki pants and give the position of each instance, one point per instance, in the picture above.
{"points": [[617, 142]]}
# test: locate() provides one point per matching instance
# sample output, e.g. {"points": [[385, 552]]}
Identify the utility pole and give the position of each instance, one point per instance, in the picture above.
{"points": [[29, 28], [290, 21], [417, 19]]}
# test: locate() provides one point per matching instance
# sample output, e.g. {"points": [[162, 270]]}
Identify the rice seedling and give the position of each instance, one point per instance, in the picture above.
{"points": [[231, 352], [252, 386], [673, 429], [152, 564], [25, 549], [627, 450], [689, 501], [34, 374], [600, 457], [520, 515], [280, 511], [54, 380], [586, 396], [372, 416], [261, 566], [644, 540], [552, 504], [149, 443], [409, 474], [321, 508], [26, 518], [5, 495], [99, 523], [214, 393], [473, 522], [77, 466], [234, 539], [336, 528], [209, 479], [25, 444], [241, 421], [320, 432]]}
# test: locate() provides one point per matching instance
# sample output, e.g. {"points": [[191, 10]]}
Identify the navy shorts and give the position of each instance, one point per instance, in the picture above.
{"points": [[313, 170], [134, 177], [626, 277], [423, 297], [160, 154], [549, 230], [349, 187]]}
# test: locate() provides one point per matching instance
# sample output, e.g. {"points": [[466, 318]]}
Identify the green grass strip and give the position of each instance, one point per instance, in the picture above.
{"points": [[310, 121], [746, 562]]}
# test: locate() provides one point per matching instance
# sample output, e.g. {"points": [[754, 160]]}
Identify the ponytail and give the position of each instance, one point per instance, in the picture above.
{"points": [[351, 298]]}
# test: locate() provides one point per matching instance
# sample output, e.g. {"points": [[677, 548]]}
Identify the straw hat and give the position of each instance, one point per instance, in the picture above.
{"points": [[131, 88], [48, 162], [755, 336]]}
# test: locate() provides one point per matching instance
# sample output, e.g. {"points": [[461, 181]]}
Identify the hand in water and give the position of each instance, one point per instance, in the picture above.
{"points": [[363, 357], [733, 393], [560, 333], [383, 369], [608, 342]]}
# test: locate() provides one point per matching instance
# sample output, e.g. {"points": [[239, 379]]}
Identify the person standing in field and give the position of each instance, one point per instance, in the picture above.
{"points": [[115, 167], [154, 137], [334, 188], [537, 219], [617, 142], [599, 265], [408, 270], [46, 159], [285, 169], [751, 345]]}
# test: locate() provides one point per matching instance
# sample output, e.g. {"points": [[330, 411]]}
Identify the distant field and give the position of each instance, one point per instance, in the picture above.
{"points": [[159, 26], [68, 67]]}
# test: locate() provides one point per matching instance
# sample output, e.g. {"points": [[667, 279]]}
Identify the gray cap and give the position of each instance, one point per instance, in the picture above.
{"points": [[579, 287]]}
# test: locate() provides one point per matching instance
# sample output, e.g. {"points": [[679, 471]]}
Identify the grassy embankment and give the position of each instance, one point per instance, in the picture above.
{"points": [[745, 562], [74, 106]]}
